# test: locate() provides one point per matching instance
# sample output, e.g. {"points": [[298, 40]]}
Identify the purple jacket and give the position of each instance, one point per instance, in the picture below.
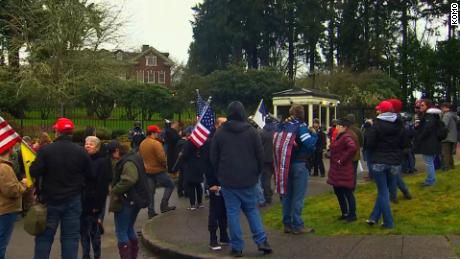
{"points": [[341, 172]]}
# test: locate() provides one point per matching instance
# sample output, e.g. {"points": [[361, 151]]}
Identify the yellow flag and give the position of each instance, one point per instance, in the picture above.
{"points": [[28, 156]]}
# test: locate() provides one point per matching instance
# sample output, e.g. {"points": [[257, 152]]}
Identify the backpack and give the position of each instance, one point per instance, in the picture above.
{"points": [[441, 130]]}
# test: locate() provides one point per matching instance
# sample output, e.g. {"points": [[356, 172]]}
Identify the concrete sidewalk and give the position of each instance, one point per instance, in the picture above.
{"points": [[184, 234]]}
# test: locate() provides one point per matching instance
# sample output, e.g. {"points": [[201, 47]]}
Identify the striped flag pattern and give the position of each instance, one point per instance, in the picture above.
{"points": [[204, 127], [283, 143], [8, 137]]}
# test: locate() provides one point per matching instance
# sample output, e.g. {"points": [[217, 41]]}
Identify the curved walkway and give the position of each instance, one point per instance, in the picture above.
{"points": [[184, 234]]}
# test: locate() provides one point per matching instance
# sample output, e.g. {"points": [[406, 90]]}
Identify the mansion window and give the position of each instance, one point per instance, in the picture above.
{"points": [[161, 77], [150, 77], [140, 76], [150, 61]]}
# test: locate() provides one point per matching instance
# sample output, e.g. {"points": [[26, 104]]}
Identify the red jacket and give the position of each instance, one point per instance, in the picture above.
{"points": [[341, 171]]}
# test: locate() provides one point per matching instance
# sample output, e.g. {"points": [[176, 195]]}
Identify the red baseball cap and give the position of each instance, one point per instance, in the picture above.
{"points": [[397, 104], [384, 106], [63, 124], [153, 128]]}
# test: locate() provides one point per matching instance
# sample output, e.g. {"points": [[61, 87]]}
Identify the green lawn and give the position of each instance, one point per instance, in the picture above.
{"points": [[432, 211]]}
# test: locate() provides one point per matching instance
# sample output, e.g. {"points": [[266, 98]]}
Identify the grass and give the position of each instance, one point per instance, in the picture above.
{"points": [[432, 211]]}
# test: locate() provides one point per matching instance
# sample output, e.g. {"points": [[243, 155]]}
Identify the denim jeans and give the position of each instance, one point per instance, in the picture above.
{"points": [[397, 182], [68, 215], [6, 229], [124, 224], [246, 200], [383, 175], [90, 231], [294, 198], [431, 172], [368, 157], [164, 180], [260, 192]]}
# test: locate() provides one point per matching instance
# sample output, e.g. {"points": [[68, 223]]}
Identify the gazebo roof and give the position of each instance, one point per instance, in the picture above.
{"points": [[305, 92]]}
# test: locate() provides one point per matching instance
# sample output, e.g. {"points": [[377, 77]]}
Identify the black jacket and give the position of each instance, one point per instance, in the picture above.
{"points": [[96, 189], [237, 154], [386, 140], [267, 142], [63, 167], [194, 162], [426, 140], [321, 142], [171, 139]]}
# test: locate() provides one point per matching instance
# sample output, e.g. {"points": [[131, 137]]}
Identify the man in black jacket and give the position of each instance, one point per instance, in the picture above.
{"points": [[318, 164], [237, 157], [61, 168]]}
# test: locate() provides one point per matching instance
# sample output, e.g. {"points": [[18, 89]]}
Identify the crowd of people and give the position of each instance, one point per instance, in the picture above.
{"points": [[235, 168]]}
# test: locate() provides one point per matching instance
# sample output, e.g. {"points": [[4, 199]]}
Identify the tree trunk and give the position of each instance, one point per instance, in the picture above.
{"points": [[403, 61], [291, 38]]}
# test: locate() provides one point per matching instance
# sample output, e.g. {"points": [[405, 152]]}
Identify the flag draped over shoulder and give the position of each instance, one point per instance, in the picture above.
{"points": [[204, 127], [259, 116], [8, 137], [283, 144], [28, 156]]}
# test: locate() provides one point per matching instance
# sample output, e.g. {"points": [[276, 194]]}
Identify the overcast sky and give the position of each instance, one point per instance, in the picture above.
{"points": [[163, 24]]}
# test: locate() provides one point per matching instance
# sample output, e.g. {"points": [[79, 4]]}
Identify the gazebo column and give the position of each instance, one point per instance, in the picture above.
{"points": [[275, 111], [335, 112], [328, 117], [320, 109], [310, 115]]}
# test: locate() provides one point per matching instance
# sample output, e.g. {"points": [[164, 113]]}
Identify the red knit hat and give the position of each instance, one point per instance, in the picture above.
{"points": [[63, 124], [153, 129], [397, 104], [384, 106]]}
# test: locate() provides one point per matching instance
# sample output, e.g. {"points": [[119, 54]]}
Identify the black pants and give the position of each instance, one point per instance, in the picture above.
{"points": [[90, 233], [266, 179], [346, 200], [180, 184], [194, 192], [217, 217], [318, 164]]}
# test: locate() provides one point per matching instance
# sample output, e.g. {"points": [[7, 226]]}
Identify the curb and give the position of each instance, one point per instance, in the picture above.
{"points": [[167, 250]]}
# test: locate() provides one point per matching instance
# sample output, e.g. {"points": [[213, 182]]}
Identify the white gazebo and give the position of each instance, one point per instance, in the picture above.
{"points": [[317, 104]]}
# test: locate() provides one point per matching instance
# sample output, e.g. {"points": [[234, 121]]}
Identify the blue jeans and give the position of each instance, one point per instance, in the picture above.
{"points": [[164, 180], [397, 182], [246, 200], [68, 215], [260, 192], [431, 172], [124, 224], [368, 158], [383, 175], [6, 229], [293, 200]]}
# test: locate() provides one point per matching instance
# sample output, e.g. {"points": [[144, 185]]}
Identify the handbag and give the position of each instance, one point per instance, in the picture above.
{"points": [[35, 220]]}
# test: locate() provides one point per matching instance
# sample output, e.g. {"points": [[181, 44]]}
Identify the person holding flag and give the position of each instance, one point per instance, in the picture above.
{"points": [[294, 143], [10, 188]]}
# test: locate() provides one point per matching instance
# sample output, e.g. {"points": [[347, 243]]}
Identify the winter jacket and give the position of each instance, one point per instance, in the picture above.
{"points": [[386, 139], [97, 188], [304, 146], [210, 173], [125, 177], [341, 171], [357, 135], [152, 152], [450, 120], [321, 142], [136, 136], [267, 142], [62, 168], [194, 163], [237, 154], [171, 139], [426, 140], [10, 189]]}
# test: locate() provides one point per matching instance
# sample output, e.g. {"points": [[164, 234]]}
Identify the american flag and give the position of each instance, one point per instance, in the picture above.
{"points": [[283, 143], [200, 104], [8, 137], [204, 127]]}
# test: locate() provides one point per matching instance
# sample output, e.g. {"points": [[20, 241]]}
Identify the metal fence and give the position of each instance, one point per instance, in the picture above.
{"points": [[36, 120]]}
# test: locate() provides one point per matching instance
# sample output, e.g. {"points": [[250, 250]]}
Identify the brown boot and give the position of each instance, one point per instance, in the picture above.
{"points": [[125, 251], [134, 244]]}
